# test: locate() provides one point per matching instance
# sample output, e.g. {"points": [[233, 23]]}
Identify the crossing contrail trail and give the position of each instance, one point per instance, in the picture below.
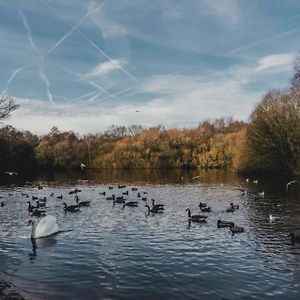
{"points": [[61, 40], [41, 71], [89, 41]]}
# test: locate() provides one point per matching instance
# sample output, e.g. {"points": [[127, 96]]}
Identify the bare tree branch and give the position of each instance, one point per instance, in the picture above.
{"points": [[7, 105]]}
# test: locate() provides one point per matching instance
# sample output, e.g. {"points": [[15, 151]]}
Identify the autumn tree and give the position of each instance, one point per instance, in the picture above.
{"points": [[273, 136]]}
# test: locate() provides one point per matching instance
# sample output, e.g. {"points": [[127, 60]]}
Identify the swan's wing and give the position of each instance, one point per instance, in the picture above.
{"points": [[46, 227]]}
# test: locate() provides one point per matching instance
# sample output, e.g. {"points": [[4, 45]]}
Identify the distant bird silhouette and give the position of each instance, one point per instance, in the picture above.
{"points": [[82, 203], [236, 229], [102, 193], [221, 224], [2, 204], [11, 173], [201, 204], [157, 206], [153, 211], [195, 218]]}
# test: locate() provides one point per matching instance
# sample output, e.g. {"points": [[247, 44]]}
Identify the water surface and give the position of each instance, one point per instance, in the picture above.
{"points": [[107, 252]]}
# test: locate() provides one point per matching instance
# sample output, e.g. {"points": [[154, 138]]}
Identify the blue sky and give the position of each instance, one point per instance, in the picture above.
{"points": [[84, 65]]}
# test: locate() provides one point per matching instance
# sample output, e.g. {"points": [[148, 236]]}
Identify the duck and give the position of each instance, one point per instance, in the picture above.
{"points": [[2, 204], [102, 193], [34, 198], [144, 198], [235, 206], [121, 186], [82, 203], [205, 209], [221, 224], [230, 209], [138, 195], [110, 187], [125, 193], [201, 204], [236, 229], [295, 236], [131, 204], [71, 208], [40, 204], [134, 189], [153, 211], [59, 197], [196, 218], [157, 206], [46, 227]]}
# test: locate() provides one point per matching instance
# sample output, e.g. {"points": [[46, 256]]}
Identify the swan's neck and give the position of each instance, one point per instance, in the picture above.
{"points": [[33, 225]]}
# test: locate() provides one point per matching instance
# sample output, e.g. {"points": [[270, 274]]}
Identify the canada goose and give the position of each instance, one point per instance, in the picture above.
{"points": [[195, 218], [236, 229], [2, 204], [201, 204], [125, 193], [59, 197], [112, 197], [230, 209], [102, 193], [134, 189], [121, 186], [157, 206], [144, 198], [153, 211], [82, 203], [31, 207], [71, 208], [119, 200], [221, 224], [38, 213], [235, 206], [206, 209], [131, 204]]}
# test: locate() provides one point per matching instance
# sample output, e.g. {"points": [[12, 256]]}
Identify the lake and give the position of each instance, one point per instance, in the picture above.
{"points": [[107, 252]]}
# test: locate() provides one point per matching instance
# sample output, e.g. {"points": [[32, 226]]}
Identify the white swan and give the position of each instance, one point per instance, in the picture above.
{"points": [[47, 226]]}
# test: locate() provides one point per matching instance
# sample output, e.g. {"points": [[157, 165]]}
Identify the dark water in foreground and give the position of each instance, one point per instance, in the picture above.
{"points": [[115, 253]]}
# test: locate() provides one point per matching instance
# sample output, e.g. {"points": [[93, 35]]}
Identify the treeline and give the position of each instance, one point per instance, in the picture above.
{"points": [[213, 144]]}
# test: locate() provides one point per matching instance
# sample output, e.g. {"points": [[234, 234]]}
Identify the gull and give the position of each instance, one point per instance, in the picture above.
{"points": [[255, 181], [82, 166], [11, 173], [289, 183]]}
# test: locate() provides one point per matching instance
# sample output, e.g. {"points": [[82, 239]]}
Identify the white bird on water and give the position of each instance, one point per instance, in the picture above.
{"points": [[82, 166], [255, 181], [11, 173], [46, 227], [289, 183]]}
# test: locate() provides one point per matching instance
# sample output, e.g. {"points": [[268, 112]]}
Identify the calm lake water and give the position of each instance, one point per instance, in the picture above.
{"points": [[107, 252]]}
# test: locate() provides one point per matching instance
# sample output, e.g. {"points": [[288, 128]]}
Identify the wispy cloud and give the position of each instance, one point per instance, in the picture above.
{"points": [[105, 68], [275, 60]]}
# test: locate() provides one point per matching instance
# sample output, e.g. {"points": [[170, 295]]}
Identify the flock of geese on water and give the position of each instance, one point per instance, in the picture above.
{"points": [[47, 225]]}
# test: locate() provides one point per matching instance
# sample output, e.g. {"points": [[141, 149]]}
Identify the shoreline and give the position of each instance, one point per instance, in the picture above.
{"points": [[8, 291]]}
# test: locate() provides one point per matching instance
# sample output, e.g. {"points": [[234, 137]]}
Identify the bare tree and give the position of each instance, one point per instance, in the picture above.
{"points": [[7, 105]]}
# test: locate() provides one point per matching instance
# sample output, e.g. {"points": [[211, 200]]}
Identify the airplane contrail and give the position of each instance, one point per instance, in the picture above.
{"points": [[89, 41], [17, 71], [261, 41], [114, 94], [41, 62], [71, 31]]}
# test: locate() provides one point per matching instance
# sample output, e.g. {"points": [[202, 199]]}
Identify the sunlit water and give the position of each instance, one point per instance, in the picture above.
{"points": [[107, 252]]}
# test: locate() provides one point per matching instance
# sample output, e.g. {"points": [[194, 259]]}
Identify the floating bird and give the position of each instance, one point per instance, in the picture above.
{"points": [[221, 224], [38, 213], [244, 192], [11, 173], [255, 181], [273, 218], [230, 209], [71, 208], [236, 229], [201, 204], [295, 236], [134, 189], [153, 211], [131, 204], [82, 203], [235, 206], [125, 193], [144, 198], [206, 209], [247, 179], [112, 197], [157, 206], [2, 204], [110, 187], [119, 200], [195, 218], [31, 208], [46, 227], [59, 197], [139, 195], [52, 194], [289, 183], [261, 194], [121, 186], [102, 193]]}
